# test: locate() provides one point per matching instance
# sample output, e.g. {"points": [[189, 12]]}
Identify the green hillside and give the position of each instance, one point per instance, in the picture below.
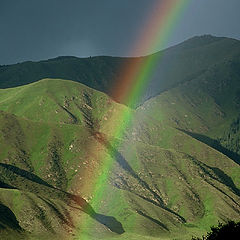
{"points": [[57, 101], [207, 107], [56, 137]]}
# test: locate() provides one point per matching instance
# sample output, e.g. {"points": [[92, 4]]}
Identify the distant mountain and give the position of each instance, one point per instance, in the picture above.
{"points": [[174, 65], [96, 72]]}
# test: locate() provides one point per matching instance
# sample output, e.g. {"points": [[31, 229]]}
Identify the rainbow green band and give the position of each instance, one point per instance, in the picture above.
{"points": [[134, 78]]}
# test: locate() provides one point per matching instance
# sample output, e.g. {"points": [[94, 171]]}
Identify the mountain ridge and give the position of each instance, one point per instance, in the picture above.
{"points": [[101, 72]]}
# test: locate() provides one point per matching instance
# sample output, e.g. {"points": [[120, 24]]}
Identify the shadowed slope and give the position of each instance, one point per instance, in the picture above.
{"points": [[8, 219], [206, 106], [188, 59]]}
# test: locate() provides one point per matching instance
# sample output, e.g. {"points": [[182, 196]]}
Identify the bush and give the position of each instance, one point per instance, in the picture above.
{"points": [[230, 230]]}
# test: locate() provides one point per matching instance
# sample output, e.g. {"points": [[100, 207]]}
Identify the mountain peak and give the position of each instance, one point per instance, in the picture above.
{"points": [[199, 41]]}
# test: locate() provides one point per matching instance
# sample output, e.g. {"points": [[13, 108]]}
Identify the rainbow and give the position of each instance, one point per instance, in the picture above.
{"points": [[129, 88]]}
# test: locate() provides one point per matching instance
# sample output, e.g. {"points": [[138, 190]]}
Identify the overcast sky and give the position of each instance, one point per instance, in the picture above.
{"points": [[42, 29]]}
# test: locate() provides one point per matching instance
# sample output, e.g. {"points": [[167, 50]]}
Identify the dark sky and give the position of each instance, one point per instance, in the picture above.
{"points": [[42, 29]]}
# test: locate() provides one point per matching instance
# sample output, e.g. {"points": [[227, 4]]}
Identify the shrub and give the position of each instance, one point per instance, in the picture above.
{"points": [[230, 230]]}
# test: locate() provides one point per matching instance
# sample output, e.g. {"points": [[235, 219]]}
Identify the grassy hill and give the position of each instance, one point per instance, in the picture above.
{"points": [[58, 101], [56, 141]]}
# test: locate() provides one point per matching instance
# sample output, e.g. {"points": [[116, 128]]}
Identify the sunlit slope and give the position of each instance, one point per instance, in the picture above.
{"points": [[162, 183], [58, 101]]}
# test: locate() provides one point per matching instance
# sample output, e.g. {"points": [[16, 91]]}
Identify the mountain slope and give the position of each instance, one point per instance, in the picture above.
{"points": [[207, 106], [59, 101], [156, 185]]}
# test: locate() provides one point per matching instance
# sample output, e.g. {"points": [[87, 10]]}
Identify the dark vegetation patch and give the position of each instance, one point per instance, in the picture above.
{"points": [[230, 230], [55, 161], [13, 134], [231, 137]]}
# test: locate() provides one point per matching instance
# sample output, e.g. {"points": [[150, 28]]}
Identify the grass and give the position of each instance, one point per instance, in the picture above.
{"points": [[159, 175]]}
